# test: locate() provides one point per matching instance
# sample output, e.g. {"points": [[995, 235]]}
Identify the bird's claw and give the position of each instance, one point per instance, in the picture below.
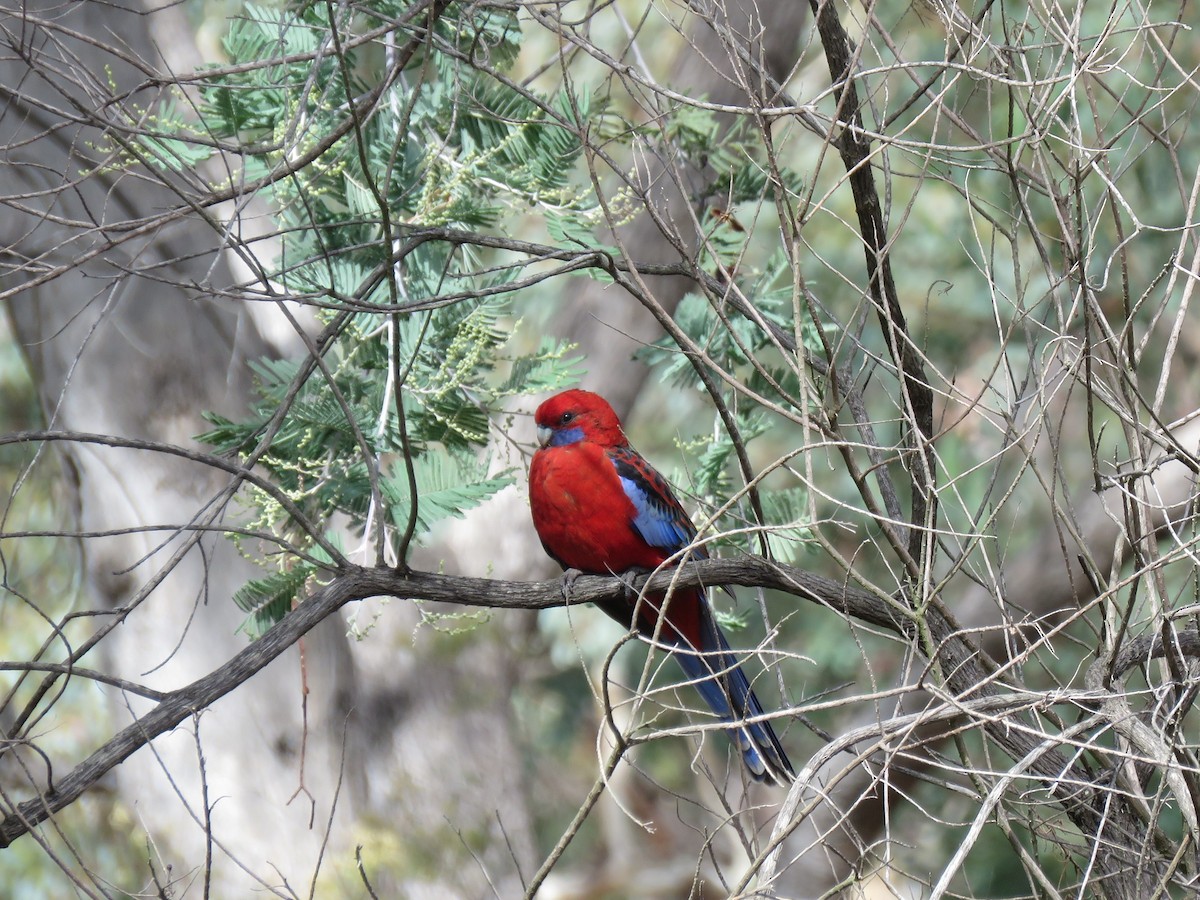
{"points": [[568, 582], [628, 580]]}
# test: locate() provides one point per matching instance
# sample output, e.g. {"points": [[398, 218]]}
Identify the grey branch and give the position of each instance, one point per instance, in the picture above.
{"points": [[356, 583], [969, 673]]}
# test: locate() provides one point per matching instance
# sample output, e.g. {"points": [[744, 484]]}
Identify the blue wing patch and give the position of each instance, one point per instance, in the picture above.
{"points": [[659, 518]]}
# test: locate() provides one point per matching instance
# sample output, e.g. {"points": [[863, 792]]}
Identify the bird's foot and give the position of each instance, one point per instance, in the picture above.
{"points": [[568, 582], [628, 579]]}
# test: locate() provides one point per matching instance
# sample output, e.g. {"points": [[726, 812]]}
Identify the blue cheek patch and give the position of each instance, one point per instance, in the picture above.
{"points": [[566, 437]]}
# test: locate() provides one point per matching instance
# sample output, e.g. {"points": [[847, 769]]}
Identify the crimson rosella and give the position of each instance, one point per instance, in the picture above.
{"points": [[600, 508]]}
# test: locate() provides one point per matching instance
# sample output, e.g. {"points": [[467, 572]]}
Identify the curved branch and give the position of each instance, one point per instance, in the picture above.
{"points": [[963, 664], [1150, 744], [358, 583]]}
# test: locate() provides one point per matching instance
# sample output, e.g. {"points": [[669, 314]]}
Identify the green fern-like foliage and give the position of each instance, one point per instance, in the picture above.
{"points": [[376, 133], [739, 346], [417, 356]]}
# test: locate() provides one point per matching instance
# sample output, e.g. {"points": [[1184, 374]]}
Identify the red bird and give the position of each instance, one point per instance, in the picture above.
{"points": [[600, 508]]}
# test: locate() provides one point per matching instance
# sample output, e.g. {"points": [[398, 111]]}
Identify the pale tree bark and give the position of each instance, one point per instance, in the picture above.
{"points": [[125, 336]]}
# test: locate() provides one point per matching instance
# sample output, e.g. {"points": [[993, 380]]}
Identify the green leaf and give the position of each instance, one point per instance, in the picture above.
{"points": [[448, 144], [545, 369], [447, 486], [268, 599]]}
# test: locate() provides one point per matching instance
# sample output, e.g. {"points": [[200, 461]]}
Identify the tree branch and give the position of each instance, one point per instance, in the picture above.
{"points": [[966, 672], [359, 583], [854, 148]]}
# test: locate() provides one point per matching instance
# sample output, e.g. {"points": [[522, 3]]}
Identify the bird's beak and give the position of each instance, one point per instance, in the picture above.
{"points": [[544, 434]]}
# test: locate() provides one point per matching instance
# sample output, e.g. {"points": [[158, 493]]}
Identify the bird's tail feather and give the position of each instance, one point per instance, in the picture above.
{"points": [[726, 690]]}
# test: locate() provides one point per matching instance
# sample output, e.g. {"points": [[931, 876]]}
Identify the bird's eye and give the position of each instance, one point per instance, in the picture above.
{"points": [[566, 418]]}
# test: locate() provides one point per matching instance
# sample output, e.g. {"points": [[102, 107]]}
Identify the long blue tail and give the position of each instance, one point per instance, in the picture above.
{"points": [[724, 687]]}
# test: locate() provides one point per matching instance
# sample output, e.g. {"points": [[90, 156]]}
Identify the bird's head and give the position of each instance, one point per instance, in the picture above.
{"points": [[576, 415]]}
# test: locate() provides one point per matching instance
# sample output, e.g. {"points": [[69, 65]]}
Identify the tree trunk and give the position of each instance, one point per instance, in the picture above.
{"points": [[127, 335]]}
